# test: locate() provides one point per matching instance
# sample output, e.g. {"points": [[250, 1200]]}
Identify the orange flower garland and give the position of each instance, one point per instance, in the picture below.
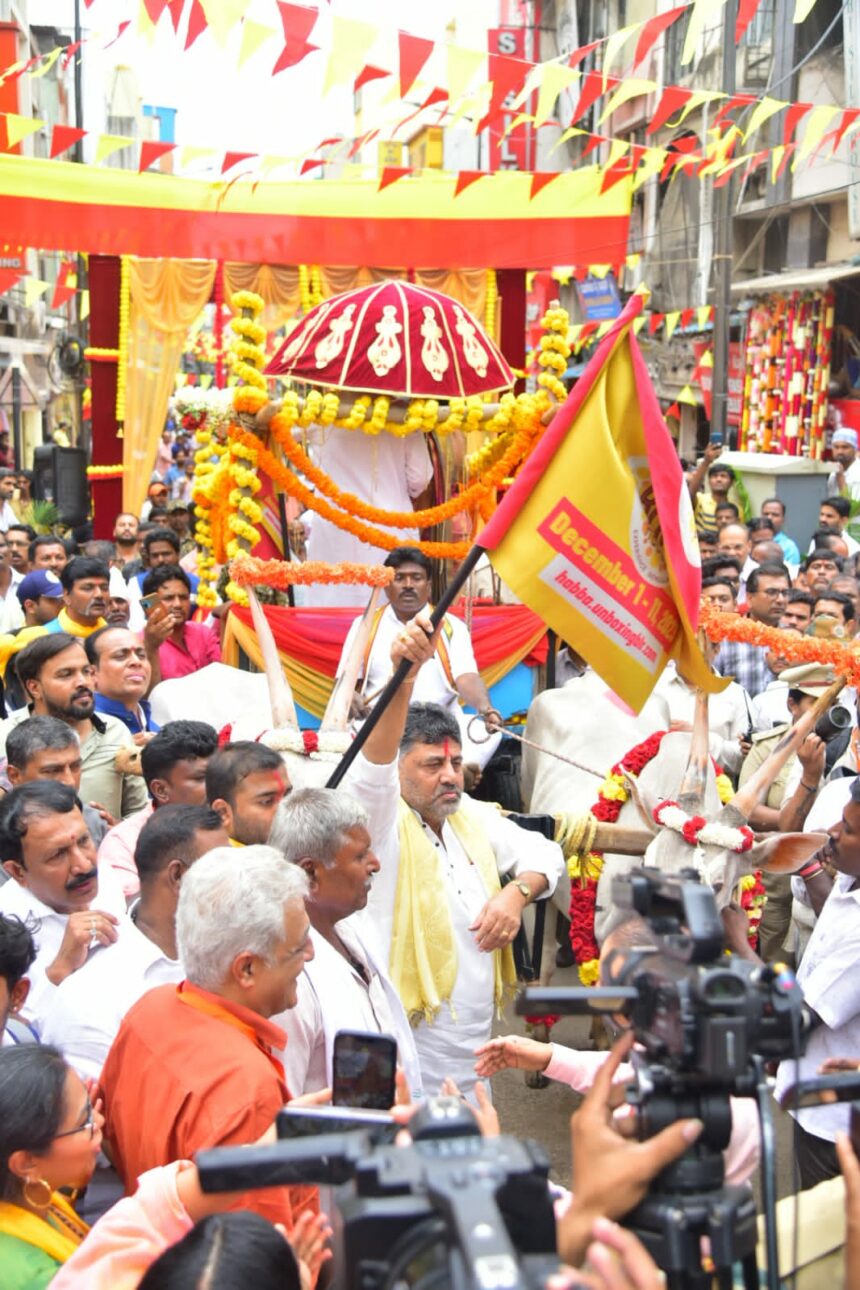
{"points": [[248, 570], [844, 658], [279, 474], [519, 448]]}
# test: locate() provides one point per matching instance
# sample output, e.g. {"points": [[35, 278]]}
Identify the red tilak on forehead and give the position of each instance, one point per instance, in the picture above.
{"points": [[446, 749]]}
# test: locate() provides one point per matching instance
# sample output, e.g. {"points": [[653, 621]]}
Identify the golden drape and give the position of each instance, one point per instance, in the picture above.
{"points": [[278, 284], [166, 297]]}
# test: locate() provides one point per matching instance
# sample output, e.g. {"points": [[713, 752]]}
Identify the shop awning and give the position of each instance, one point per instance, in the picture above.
{"points": [[795, 279]]}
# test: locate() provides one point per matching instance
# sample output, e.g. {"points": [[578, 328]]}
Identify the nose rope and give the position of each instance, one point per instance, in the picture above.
{"points": [[487, 734]]}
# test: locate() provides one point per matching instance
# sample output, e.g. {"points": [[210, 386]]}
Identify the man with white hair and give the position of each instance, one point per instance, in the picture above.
{"points": [[345, 986], [193, 1065]]}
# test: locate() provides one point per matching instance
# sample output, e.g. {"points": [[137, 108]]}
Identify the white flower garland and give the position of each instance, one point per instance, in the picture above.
{"points": [[697, 831]]}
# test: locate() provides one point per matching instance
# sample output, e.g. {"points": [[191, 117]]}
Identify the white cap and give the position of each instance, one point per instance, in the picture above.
{"points": [[117, 585]]}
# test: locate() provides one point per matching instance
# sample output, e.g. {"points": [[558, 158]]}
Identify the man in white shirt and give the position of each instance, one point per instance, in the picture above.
{"points": [[444, 923], [345, 985], [85, 1012], [729, 716], [449, 678], [46, 849], [830, 982], [844, 481]]}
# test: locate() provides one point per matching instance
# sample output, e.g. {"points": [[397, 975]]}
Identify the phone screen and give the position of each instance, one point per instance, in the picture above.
{"points": [[364, 1066]]}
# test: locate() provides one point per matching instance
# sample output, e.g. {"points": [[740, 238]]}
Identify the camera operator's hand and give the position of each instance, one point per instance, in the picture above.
{"points": [[616, 1260], [322, 1097], [850, 1166], [610, 1173], [512, 1052], [309, 1240], [811, 755], [840, 1065], [485, 1113]]}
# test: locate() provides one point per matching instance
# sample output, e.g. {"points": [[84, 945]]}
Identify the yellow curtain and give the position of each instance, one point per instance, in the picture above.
{"points": [[469, 286], [166, 297], [278, 284], [336, 279]]}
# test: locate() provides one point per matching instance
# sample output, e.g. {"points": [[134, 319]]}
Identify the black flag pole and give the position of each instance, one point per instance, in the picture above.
{"points": [[439, 612]]}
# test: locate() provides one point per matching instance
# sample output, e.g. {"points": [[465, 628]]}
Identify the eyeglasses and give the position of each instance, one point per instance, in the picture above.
{"points": [[89, 1123], [773, 593]]}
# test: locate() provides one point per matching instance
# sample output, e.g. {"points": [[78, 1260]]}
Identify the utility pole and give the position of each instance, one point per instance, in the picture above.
{"points": [[723, 209]]}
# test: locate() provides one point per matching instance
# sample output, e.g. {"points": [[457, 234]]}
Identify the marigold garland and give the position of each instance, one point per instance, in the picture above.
{"points": [[248, 361], [247, 570], [122, 341], [96, 473], [844, 658], [518, 449], [208, 474]]}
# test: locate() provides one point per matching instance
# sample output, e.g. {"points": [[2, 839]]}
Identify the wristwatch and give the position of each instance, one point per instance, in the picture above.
{"points": [[524, 889]]}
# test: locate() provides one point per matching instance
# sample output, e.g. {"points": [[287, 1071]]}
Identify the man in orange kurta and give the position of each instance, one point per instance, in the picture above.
{"points": [[192, 1064]]}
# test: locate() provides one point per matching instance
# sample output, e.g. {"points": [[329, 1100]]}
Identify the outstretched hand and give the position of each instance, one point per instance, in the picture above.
{"points": [[611, 1173], [511, 1052]]}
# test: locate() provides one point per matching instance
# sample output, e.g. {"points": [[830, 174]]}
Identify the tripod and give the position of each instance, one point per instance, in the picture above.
{"points": [[689, 1201]]}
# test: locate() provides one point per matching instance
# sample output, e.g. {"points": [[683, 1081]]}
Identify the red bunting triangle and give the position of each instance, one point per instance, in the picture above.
{"points": [[580, 273], [391, 174], [849, 116], [793, 117], [196, 23], [367, 74], [746, 13], [465, 178], [69, 53], [736, 101], [154, 8], [578, 54], [786, 157], [311, 164], [63, 137], [174, 8], [672, 100], [151, 150], [298, 21], [613, 174], [674, 412], [594, 141], [414, 52], [540, 180], [592, 88], [686, 317], [655, 27], [62, 290], [508, 76], [232, 159], [587, 329], [655, 322]]}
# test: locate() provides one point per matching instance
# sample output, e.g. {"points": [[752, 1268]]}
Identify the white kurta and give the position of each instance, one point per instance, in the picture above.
{"points": [[382, 470], [446, 1047], [431, 684], [332, 996]]}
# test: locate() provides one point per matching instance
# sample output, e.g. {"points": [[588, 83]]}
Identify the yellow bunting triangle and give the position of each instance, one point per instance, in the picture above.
{"points": [[145, 25], [570, 133], [818, 121], [776, 161], [705, 13], [616, 152], [530, 85], [556, 77], [615, 44], [703, 316], [639, 323], [518, 120], [628, 89], [204, 380], [696, 99], [84, 309], [687, 396], [18, 127], [463, 67], [802, 10], [632, 261], [47, 65], [707, 359], [561, 275], [671, 322], [33, 289], [254, 36], [604, 327], [222, 16], [600, 270], [762, 112], [109, 144], [531, 274], [191, 153], [651, 164], [351, 41], [180, 379]]}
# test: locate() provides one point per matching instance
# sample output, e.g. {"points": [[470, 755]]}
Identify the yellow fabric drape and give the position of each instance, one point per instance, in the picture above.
{"points": [[166, 297], [469, 286], [278, 284]]}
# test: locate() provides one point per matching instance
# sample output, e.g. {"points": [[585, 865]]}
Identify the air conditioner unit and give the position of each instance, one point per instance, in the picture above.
{"points": [[753, 69]]}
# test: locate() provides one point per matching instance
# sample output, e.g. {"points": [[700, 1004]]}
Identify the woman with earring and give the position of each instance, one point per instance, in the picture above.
{"points": [[50, 1135]]}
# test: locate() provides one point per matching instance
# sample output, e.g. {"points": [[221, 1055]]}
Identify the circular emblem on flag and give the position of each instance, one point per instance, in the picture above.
{"points": [[393, 338], [646, 543]]}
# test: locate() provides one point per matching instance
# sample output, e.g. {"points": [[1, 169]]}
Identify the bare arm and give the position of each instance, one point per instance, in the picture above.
{"points": [[415, 643], [793, 813], [473, 692], [696, 479], [764, 819]]}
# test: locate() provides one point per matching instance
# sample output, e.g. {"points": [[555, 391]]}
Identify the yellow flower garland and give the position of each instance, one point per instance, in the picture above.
{"points": [[122, 342], [248, 360], [554, 352], [206, 478]]}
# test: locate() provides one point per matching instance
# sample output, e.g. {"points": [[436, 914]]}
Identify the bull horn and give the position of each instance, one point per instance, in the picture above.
{"points": [[336, 715], [754, 790], [692, 792], [280, 696]]}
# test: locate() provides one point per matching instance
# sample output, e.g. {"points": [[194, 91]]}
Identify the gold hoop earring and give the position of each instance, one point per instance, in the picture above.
{"points": [[42, 1203]]}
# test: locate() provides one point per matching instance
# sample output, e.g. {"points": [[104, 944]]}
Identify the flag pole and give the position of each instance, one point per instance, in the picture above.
{"points": [[439, 612]]}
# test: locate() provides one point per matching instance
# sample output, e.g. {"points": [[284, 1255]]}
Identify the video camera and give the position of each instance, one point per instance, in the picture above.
{"points": [[704, 1025]]}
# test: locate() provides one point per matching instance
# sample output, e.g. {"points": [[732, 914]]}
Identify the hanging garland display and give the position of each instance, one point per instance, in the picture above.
{"points": [[248, 571], [786, 375], [842, 657]]}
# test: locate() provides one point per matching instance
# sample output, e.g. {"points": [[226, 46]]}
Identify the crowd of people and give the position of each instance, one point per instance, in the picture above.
{"points": [[184, 930]]}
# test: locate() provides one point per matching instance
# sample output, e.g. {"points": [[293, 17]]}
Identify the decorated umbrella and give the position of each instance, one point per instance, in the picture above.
{"points": [[397, 339]]}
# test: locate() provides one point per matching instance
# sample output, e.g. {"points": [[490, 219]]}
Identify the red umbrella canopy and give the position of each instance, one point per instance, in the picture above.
{"points": [[393, 338]]}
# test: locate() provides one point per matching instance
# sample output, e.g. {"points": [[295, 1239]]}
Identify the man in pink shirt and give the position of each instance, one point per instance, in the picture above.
{"points": [[190, 646], [174, 771]]}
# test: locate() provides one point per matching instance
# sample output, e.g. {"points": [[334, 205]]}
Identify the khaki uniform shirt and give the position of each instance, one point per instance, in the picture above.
{"points": [[763, 745]]}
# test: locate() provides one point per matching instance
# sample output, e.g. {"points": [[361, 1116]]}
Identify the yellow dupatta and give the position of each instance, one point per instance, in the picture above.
{"points": [[26, 1226], [423, 961]]}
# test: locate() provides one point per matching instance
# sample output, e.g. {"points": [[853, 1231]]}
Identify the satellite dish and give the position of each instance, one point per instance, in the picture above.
{"points": [[67, 359]]}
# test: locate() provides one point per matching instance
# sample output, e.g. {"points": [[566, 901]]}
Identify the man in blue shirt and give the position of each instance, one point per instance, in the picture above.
{"points": [[122, 677], [774, 510]]}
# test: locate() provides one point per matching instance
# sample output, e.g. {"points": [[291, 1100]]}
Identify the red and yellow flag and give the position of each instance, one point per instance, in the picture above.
{"points": [[597, 535]]}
